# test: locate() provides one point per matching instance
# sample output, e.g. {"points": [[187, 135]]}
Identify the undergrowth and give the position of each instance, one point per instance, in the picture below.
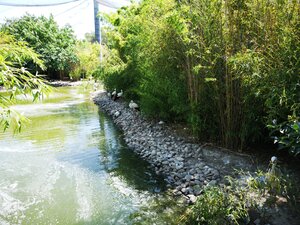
{"points": [[257, 192]]}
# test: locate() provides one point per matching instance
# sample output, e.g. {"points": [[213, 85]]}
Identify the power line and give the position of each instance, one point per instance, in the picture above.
{"points": [[79, 12], [71, 8], [36, 5], [109, 4]]}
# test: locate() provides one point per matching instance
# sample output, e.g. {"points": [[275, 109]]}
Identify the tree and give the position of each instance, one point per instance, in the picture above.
{"points": [[55, 45], [88, 55], [226, 68], [16, 79], [90, 37]]}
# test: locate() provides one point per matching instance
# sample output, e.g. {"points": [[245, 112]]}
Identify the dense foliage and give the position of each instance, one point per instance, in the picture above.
{"points": [[287, 135], [55, 45], [228, 68], [16, 79], [219, 206], [88, 55], [242, 201]]}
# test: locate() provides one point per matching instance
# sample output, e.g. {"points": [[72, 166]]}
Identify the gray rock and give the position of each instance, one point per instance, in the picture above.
{"points": [[179, 159], [256, 222], [176, 192], [197, 182], [188, 177], [212, 183], [180, 162], [192, 198], [197, 177], [188, 190], [193, 171]]}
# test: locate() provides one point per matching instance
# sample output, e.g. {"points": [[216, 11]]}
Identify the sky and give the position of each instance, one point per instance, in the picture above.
{"points": [[79, 14]]}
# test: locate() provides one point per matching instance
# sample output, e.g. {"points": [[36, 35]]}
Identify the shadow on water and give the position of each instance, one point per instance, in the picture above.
{"points": [[121, 161], [107, 151]]}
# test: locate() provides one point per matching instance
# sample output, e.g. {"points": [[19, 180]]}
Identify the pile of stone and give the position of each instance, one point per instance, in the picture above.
{"points": [[184, 165]]}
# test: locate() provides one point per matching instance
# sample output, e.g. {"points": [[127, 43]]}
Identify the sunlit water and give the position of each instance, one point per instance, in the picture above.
{"points": [[70, 166]]}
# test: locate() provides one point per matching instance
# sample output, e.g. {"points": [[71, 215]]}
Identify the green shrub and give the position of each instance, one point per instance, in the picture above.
{"points": [[219, 206], [287, 135], [55, 45], [276, 183], [226, 68], [88, 55], [231, 203]]}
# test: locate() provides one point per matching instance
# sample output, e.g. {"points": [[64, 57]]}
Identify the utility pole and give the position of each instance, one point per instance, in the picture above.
{"points": [[100, 38], [97, 22]]}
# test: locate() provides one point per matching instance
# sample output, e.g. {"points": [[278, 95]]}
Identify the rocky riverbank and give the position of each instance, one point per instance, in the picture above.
{"points": [[187, 167]]}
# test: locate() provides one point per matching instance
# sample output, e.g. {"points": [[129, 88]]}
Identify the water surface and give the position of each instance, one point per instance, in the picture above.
{"points": [[71, 166]]}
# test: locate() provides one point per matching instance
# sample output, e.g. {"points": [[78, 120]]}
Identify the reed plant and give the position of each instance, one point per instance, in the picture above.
{"points": [[227, 68]]}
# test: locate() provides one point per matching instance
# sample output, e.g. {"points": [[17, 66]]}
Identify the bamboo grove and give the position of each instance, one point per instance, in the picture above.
{"points": [[228, 68]]}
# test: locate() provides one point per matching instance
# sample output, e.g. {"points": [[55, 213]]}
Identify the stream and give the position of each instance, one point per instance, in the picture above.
{"points": [[70, 165]]}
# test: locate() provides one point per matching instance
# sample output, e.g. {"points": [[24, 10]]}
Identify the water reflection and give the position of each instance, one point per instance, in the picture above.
{"points": [[70, 166], [122, 162]]}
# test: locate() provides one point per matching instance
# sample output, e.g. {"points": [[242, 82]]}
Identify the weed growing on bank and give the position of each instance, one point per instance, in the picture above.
{"points": [[249, 198]]}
